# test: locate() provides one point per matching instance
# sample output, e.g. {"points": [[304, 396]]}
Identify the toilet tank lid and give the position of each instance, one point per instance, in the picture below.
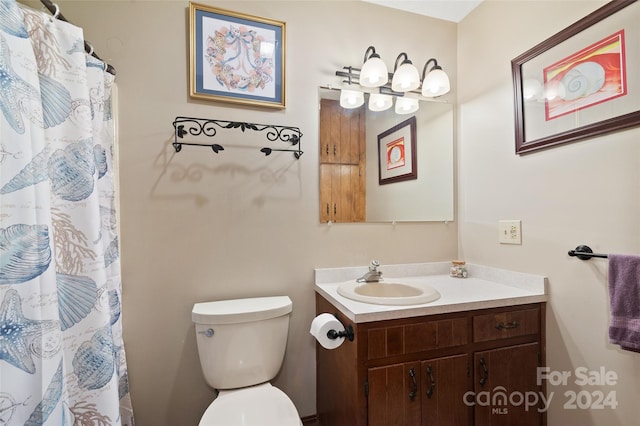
{"points": [[241, 310]]}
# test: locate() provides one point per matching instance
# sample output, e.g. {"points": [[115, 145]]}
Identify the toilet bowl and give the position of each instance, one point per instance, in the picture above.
{"points": [[241, 346], [261, 405]]}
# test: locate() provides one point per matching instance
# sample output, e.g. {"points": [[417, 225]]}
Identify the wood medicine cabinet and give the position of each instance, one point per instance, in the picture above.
{"points": [[342, 163]]}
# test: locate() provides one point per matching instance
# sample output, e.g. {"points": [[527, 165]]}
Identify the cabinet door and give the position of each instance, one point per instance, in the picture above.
{"points": [[445, 381], [341, 133], [505, 379], [394, 395], [342, 193]]}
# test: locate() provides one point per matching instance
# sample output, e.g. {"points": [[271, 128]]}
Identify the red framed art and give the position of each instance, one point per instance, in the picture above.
{"points": [[582, 82], [397, 157]]}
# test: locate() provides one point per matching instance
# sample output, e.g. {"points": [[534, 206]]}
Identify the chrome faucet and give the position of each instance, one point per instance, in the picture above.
{"points": [[373, 275]]}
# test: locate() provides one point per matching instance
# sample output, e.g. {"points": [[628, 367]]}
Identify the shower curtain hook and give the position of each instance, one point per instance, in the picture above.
{"points": [[57, 12]]}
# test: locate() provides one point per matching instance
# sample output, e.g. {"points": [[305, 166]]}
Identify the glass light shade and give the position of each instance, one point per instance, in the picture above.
{"points": [[406, 105], [554, 89], [351, 98], [436, 83], [405, 78], [267, 49], [531, 89], [379, 102], [374, 73]]}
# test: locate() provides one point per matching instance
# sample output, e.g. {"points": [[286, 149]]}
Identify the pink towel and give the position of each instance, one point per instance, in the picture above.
{"points": [[624, 296]]}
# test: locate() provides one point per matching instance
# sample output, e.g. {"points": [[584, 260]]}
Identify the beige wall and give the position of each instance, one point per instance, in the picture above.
{"points": [[584, 193], [198, 227]]}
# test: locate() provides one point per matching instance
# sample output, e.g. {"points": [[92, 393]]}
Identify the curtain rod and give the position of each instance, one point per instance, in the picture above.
{"points": [[55, 11]]}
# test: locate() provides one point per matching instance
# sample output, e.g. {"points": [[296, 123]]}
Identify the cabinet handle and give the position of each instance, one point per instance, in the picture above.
{"points": [[335, 209], [432, 383], [508, 326], [327, 150], [335, 150], [484, 374], [327, 209], [414, 391]]}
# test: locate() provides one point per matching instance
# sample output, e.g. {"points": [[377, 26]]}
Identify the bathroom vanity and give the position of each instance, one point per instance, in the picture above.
{"points": [[467, 358]]}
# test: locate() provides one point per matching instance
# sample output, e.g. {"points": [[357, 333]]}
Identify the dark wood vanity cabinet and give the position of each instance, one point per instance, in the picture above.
{"points": [[507, 371], [448, 369], [429, 392]]}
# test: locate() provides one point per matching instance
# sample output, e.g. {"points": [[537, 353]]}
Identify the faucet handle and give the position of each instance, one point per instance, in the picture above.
{"points": [[374, 266]]}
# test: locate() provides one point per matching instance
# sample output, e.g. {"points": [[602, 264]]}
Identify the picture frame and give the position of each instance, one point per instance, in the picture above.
{"points": [[603, 50], [236, 58], [397, 155]]}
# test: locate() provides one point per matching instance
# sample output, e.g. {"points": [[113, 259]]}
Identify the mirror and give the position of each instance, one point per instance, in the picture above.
{"points": [[426, 197]]}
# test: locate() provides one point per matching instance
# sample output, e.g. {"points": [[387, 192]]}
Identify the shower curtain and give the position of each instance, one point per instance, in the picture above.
{"points": [[62, 359]]}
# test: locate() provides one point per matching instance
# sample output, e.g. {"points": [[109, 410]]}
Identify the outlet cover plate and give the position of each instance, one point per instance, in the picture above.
{"points": [[509, 232]]}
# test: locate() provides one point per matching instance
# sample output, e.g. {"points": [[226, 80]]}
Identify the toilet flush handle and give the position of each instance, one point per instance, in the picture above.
{"points": [[208, 332]]}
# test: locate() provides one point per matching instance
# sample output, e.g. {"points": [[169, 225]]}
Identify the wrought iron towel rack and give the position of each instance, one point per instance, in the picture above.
{"points": [[209, 127], [583, 252]]}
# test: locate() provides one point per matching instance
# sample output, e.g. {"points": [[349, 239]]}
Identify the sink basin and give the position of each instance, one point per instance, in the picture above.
{"points": [[388, 292]]}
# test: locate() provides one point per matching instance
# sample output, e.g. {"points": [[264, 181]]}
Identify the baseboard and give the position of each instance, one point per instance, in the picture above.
{"points": [[309, 420]]}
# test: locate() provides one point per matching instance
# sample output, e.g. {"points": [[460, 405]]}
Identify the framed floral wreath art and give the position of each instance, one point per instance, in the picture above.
{"points": [[235, 57]]}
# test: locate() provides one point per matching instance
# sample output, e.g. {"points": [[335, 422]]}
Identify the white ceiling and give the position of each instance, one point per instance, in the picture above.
{"points": [[449, 10]]}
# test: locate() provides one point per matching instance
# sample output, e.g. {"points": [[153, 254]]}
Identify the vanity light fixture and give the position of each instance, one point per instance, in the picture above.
{"points": [[436, 82], [374, 72], [405, 77], [380, 102]]}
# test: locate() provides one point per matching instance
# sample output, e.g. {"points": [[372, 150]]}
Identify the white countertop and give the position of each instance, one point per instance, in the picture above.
{"points": [[485, 287]]}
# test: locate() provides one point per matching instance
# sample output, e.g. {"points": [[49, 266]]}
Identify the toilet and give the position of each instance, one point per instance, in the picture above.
{"points": [[241, 344]]}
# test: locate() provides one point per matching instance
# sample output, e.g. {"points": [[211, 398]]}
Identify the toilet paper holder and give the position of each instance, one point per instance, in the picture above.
{"points": [[347, 332]]}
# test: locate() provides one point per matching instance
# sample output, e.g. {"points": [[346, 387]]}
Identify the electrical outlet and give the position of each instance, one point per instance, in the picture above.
{"points": [[510, 232]]}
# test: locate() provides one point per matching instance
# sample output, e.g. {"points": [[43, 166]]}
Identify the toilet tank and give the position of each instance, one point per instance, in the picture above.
{"points": [[241, 342]]}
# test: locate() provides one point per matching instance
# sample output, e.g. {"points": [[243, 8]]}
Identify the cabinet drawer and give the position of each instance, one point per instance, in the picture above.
{"points": [[416, 337], [506, 324]]}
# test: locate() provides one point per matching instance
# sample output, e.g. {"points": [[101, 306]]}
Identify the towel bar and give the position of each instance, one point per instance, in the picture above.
{"points": [[585, 253]]}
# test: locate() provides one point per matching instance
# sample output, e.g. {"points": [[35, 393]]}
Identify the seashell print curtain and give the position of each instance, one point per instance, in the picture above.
{"points": [[62, 359]]}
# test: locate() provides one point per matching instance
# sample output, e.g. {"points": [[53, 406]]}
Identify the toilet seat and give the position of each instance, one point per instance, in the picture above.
{"points": [[261, 405]]}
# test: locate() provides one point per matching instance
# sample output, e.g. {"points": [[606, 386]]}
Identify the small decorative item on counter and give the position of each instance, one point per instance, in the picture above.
{"points": [[458, 269]]}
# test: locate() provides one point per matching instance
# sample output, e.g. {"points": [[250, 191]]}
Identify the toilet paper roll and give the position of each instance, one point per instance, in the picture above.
{"points": [[321, 325]]}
